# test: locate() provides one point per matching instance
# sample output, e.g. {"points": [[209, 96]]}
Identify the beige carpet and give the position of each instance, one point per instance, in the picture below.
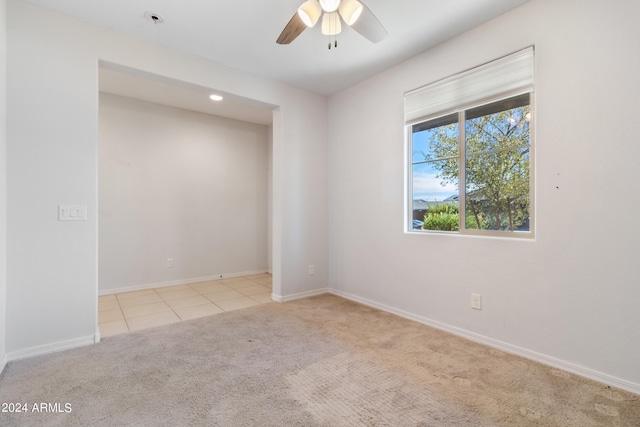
{"points": [[321, 361]]}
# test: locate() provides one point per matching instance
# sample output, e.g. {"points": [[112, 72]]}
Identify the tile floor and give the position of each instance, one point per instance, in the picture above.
{"points": [[132, 311]]}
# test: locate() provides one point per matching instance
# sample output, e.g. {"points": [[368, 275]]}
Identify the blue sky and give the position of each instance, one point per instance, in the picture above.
{"points": [[426, 185]]}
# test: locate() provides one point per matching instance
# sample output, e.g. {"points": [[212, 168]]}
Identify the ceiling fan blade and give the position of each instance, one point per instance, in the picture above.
{"points": [[292, 30], [369, 26]]}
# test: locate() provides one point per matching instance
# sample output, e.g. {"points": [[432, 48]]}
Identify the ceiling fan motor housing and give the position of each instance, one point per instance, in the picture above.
{"points": [[329, 6]]}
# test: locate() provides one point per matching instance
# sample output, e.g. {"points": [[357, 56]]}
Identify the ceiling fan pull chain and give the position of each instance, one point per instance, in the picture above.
{"points": [[333, 42]]}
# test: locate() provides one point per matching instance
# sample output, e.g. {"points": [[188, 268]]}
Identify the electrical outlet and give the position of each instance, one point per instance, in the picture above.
{"points": [[170, 262], [476, 301], [312, 270]]}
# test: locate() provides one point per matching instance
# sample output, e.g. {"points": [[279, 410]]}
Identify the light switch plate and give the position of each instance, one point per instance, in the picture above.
{"points": [[72, 212]]}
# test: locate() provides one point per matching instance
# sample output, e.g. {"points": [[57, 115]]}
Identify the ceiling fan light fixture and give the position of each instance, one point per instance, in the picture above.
{"points": [[353, 12], [350, 10], [329, 6], [310, 12], [331, 24]]}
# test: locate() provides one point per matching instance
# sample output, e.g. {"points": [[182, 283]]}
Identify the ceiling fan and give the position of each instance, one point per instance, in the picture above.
{"points": [[354, 13]]}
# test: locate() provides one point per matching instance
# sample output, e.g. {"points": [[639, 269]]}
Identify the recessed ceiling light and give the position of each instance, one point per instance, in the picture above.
{"points": [[216, 97]]}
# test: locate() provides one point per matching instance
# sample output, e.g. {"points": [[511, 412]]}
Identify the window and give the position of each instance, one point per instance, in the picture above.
{"points": [[470, 155]]}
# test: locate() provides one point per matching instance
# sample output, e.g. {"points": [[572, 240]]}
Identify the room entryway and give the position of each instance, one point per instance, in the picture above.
{"points": [[133, 311]]}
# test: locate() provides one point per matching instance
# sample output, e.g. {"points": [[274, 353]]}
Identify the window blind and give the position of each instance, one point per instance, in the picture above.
{"points": [[509, 75]]}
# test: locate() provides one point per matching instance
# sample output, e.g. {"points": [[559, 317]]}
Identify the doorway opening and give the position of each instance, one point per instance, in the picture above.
{"points": [[184, 199]]}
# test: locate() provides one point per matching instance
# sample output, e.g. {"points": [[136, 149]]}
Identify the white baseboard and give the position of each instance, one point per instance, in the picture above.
{"points": [[500, 345], [144, 286], [306, 294], [481, 339], [3, 362], [51, 348]]}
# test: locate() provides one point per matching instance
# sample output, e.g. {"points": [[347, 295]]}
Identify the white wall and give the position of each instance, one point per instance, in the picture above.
{"points": [[52, 98], [182, 185], [3, 187], [569, 297]]}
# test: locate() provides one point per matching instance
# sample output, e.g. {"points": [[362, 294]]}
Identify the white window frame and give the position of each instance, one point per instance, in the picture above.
{"points": [[495, 81]]}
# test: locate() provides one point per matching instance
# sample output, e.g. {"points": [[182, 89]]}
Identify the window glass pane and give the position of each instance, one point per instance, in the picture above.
{"points": [[427, 184], [507, 129], [435, 174], [435, 142], [497, 191], [497, 166], [431, 192]]}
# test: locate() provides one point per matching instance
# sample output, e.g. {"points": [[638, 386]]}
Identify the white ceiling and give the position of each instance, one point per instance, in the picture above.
{"points": [[119, 80], [242, 33]]}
